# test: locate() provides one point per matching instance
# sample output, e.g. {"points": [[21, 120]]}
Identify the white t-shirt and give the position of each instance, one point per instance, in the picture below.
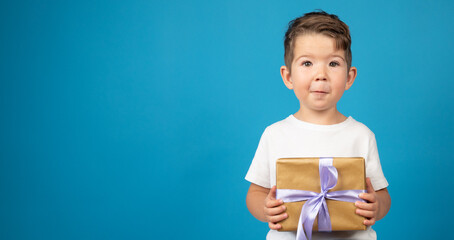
{"points": [[294, 138]]}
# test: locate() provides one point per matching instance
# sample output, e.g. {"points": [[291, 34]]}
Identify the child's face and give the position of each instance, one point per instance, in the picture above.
{"points": [[319, 74]]}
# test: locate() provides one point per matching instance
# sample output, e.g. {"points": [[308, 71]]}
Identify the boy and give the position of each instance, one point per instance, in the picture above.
{"points": [[318, 69]]}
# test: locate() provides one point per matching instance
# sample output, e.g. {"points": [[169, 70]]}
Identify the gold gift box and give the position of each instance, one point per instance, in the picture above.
{"points": [[303, 174]]}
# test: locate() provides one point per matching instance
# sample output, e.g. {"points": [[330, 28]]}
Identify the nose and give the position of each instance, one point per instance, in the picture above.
{"points": [[321, 74]]}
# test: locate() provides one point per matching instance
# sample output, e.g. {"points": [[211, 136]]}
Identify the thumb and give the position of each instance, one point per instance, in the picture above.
{"points": [[369, 187], [272, 193]]}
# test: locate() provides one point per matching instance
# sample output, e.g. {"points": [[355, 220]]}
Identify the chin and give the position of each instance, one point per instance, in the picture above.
{"points": [[320, 108]]}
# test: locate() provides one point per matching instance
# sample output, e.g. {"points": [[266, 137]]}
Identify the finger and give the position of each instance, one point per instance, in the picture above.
{"points": [[369, 187], [273, 203], [275, 211], [365, 206], [365, 213], [274, 226], [272, 193], [369, 222], [370, 197], [277, 218]]}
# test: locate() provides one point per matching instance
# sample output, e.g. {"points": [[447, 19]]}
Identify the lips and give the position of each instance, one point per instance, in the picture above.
{"points": [[320, 88], [319, 94]]}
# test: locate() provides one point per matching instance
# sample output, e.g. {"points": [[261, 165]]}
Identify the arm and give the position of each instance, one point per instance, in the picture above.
{"points": [[377, 205], [384, 203], [264, 206]]}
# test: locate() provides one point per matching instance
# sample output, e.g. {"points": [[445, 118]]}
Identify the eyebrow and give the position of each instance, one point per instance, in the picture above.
{"points": [[308, 55]]}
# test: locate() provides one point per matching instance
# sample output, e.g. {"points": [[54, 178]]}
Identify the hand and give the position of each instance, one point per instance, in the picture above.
{"points": [[368, 209], [274, 210]]}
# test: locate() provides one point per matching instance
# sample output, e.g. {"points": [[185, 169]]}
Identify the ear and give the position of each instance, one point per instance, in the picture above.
{"points": [[285, 74], [351, 77]]}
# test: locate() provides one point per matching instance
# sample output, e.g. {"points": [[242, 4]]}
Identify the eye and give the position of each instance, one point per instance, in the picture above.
{"points": [[307, 63], [333, 64]]}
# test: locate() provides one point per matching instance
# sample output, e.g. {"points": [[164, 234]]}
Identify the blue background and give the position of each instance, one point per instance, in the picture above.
{"points": [[139, 119]]}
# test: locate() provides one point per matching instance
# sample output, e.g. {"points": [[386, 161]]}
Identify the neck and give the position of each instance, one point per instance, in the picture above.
{"points": [[326, 117]]}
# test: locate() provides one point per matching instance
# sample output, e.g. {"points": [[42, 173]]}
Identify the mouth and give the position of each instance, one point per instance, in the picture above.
{"points": [[319, 92]]}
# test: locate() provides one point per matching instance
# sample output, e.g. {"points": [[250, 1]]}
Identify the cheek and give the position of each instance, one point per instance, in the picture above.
{"points": [[338, 90], [339, 85], [301, 89], [339, 81], [300, 78]]}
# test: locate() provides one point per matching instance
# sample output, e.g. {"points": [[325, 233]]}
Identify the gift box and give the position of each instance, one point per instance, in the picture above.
{"points": [[296, 177]]}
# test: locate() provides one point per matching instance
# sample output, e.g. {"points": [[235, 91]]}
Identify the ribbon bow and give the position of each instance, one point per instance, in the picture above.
{"points": [[316, 203]]}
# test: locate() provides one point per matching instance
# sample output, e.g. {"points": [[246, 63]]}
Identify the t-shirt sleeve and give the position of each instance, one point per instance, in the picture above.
{"points": [[373, 166], [259, 171]]}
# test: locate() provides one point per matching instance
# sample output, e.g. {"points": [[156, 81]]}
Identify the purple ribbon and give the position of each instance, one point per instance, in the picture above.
{"points": [[316, 203]]}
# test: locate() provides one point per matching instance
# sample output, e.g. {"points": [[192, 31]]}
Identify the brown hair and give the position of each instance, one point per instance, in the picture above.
{"points": [[318, 22]]}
